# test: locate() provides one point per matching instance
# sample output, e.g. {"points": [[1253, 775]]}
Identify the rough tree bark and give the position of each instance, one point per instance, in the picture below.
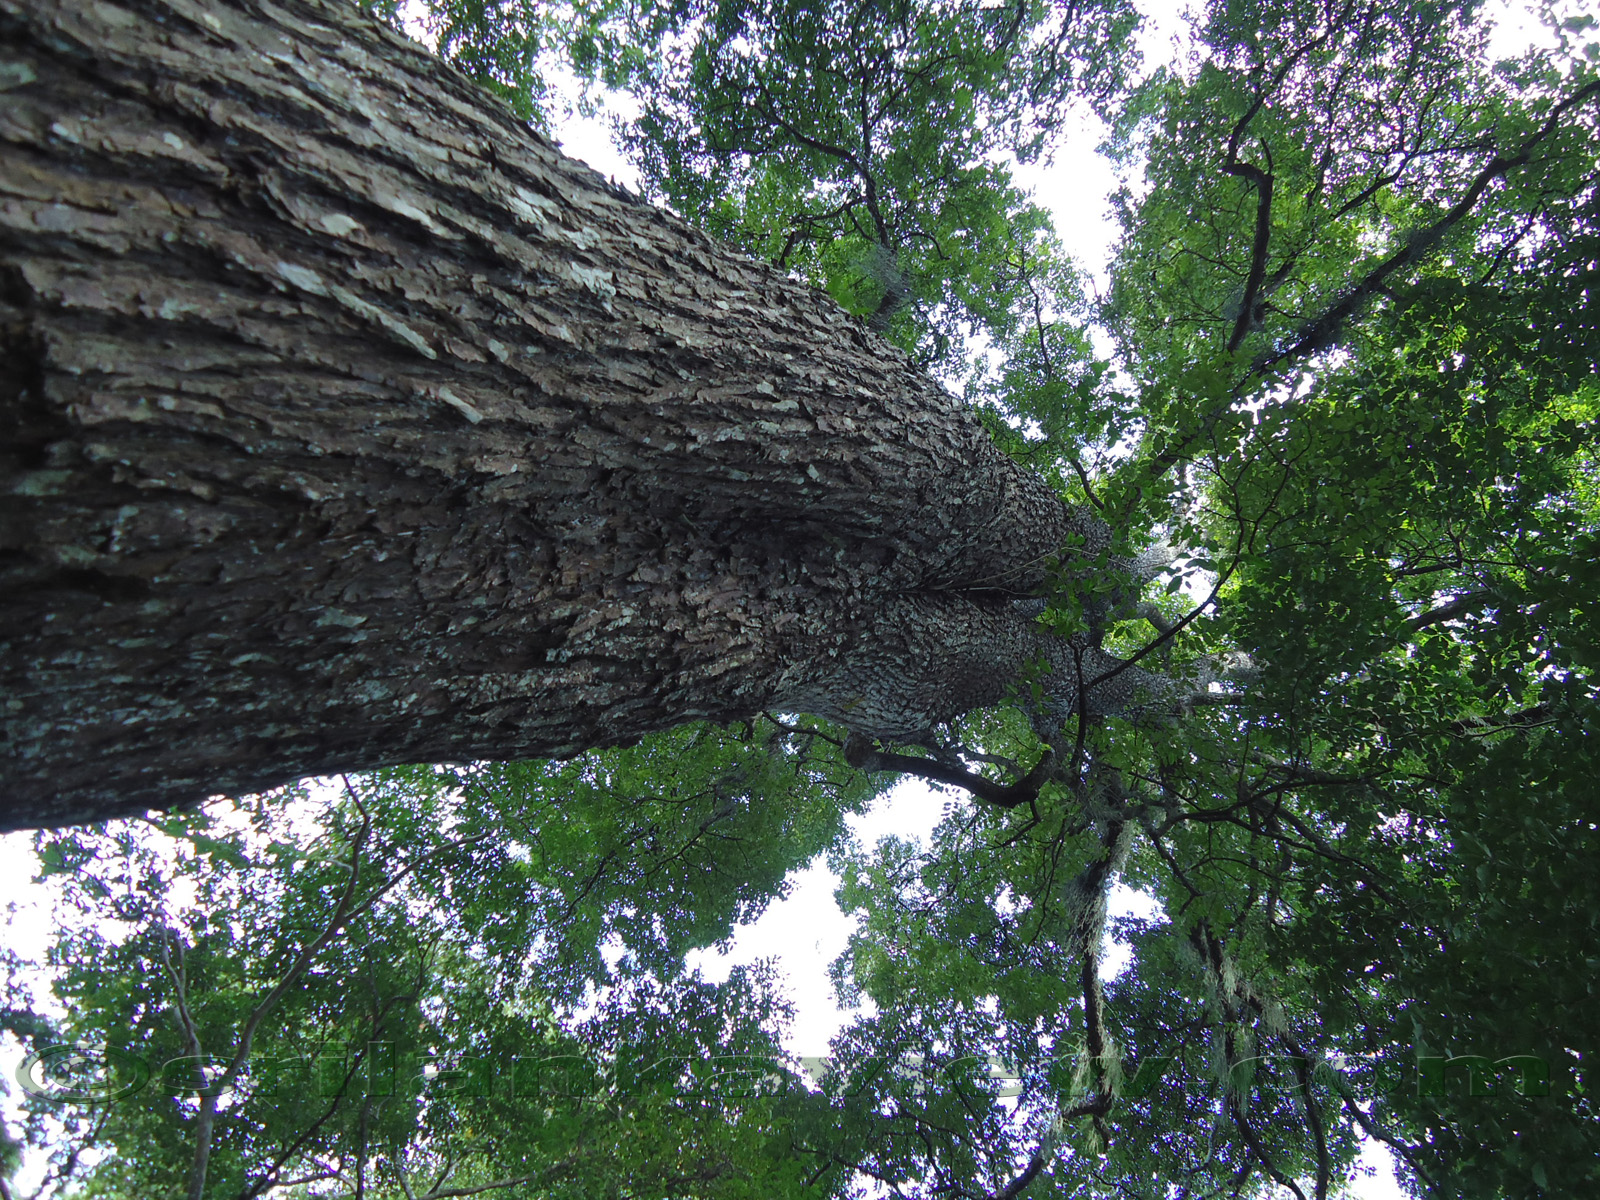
{"points": [[348, 423]]}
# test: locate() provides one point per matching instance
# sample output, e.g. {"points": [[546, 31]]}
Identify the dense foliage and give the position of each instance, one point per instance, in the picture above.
{"points": [[1352, 374], [361, 987]]}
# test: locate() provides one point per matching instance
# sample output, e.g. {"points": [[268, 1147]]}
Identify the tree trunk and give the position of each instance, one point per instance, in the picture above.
{"points": [[348, 423]]}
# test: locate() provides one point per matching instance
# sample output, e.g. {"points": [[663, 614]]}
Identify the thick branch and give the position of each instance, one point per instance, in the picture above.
{"points": [[868, 184], [1324, 330], [1245, 321], [1253, 1141], [924, 660], [1448, 611], [1026, 1176], [1321, 332], [861, 754]]}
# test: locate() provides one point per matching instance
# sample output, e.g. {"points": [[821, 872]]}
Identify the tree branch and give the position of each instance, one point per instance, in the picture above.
{"points": [[1319, 1135], [1527, 718], [1245, 321], [861, 753], [442, 1193], [208, 1098], [1029, 1173], [1449, 610], [1260, 1151], [1320, 332]]}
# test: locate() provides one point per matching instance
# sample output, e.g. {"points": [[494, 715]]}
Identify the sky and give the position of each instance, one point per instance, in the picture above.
{"points": [[805, 932]]}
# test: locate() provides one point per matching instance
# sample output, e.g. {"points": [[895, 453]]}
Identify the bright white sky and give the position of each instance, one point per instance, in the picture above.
{"points": [[806, 932]]}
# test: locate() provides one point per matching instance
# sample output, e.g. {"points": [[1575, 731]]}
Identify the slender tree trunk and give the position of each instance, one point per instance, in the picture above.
{"points": [[348, 423]]}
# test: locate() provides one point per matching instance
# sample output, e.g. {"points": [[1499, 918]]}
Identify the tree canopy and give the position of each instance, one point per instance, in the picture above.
{"points": [[1347, 372]]}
